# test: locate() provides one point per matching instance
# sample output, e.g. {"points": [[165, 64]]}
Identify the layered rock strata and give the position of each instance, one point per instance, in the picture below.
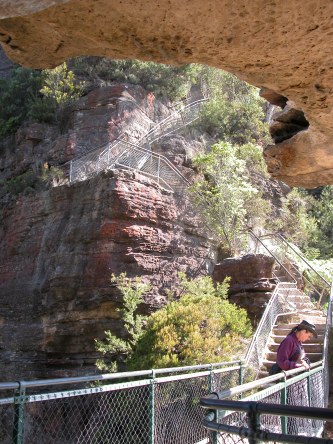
{"points": [[59, 249], [251, 282]]}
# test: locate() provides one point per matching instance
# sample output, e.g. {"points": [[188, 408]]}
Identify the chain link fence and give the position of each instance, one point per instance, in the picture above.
{"points": [[139, 157], [125, 155], [304, 390], [277, 305], [157, 410]]}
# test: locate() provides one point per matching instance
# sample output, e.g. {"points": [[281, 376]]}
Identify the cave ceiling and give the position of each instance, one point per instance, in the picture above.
{"points": [[285, 48]]}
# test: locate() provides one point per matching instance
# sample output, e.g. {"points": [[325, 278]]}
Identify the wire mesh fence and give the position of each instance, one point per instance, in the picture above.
{"points": [[278, 304], [184, 115], [159, 410], [304, 390], [139, 157], [125, 155]]}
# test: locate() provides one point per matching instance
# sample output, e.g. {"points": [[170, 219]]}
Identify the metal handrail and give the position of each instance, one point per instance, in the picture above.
{"points": [[263, 319], [272, 254], [255, 409], [154, 134], [160, 156], [282, 241], [120, 375], [169, 119], [303, 258]]}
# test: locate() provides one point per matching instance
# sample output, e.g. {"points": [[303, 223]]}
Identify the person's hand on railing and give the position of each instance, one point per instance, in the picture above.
{"points": [[303, 363]]}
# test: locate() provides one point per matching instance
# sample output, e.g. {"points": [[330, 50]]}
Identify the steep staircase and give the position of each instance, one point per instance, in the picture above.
{"points": [[139, 156], [288, 306], [283, 325]]}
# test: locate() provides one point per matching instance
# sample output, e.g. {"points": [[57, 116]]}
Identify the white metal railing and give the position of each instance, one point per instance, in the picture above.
{"points": [[279, 302], [139, 157], [126, 155]]}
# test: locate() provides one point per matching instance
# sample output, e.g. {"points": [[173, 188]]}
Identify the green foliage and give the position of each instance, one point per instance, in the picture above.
{"points": [[30, 180], [36, 95], [295, 222], [133, 291], [235, 112], [202, 327], [226, 197], [173, 82], [59, 85], [18, 184], [324, 267], [16, 97], [322, 211], [42, 109]]}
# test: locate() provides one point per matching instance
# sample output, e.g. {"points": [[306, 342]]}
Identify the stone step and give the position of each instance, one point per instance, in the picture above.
{"points": [[314, 357], [320, 328], [309, 348], [277, 339]]}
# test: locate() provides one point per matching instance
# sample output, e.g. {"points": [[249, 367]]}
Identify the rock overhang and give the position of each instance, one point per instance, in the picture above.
{"points": [[286, 50]]}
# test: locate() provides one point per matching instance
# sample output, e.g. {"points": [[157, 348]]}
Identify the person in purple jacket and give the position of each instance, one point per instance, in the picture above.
{"points": [[291, 353]]}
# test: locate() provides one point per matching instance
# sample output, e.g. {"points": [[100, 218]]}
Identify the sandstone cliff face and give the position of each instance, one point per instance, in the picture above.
{"points": [[59, 249], [59, 245], [251, 282]]}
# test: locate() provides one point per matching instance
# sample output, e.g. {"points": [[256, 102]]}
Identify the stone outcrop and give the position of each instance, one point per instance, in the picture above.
{"points": [[59, 245], [284, 50], [59, 249], [251, 283]]}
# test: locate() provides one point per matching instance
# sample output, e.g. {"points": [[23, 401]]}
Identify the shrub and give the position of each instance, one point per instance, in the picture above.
{"points": [[202, 327], [173, 82]]}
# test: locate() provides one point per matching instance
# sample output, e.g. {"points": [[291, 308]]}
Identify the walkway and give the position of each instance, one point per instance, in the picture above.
{"points": [[140, 157]]}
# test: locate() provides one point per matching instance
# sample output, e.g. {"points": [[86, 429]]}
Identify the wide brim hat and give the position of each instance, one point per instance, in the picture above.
{"points": [[305, 325]]}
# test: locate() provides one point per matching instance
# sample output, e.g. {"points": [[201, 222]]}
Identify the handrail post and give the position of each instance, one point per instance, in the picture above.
{"points": [[152, 408], [211, 389], [211, 385], [284, 402], [158, 170], [19, 399], [70, 171], [241, 372], [253, 420], [308, 381]]}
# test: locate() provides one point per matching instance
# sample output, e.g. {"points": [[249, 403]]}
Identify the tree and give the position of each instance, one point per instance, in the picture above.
{"points": [[60, 86], [322, 210], [112, 346], [296, 222], [17, 94], [234, 113], [201, 327], [225, 196], [173, 82]]}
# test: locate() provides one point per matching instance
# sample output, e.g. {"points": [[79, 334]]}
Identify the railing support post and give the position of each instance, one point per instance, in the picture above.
{"points": [[211, 388], [253, 420], [308, 380], [284, 402], [241, 372], [152, 408], [70, 171], [158, 170], [19, 399]]}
